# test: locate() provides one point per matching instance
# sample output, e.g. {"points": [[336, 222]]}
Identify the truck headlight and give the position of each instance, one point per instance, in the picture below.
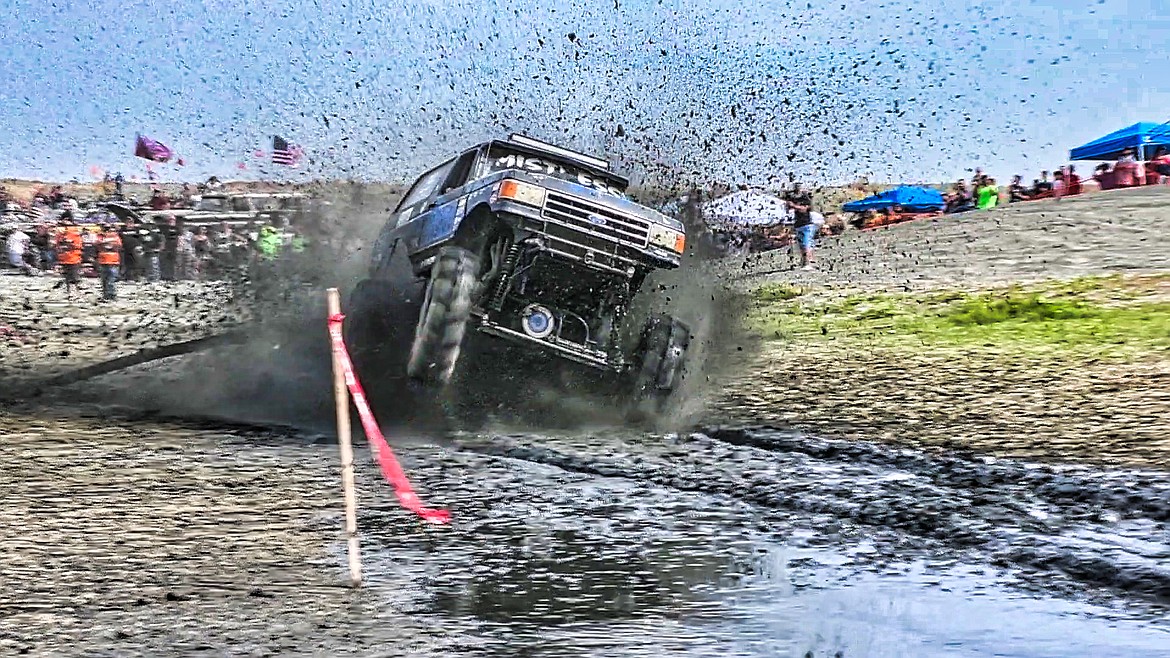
{"points": [[519, 192], [668, 238]]}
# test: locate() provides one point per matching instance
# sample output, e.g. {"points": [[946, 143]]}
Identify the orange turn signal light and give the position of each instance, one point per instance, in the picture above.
{"points": [[509, 189], [520, 192]]}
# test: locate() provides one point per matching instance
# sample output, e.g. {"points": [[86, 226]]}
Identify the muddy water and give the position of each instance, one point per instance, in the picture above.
{"points": [[133, 537]]}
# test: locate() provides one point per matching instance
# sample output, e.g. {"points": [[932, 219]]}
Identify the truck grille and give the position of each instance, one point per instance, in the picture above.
{"points": [[583, 216]]}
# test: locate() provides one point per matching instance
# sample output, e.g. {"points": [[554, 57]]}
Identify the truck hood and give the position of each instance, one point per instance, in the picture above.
{"points": [[610, 201]]}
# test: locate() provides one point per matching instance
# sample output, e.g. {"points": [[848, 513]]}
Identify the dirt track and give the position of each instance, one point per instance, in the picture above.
{"points": [[139, 536], [131, 537], [47, 333]]}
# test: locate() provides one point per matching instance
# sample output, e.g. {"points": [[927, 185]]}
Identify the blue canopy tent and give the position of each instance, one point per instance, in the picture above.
{"points": [[909, 197], [1143, 138]]}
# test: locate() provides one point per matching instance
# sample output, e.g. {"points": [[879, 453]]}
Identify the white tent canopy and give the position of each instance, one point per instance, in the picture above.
{"points": [[746, 208]]}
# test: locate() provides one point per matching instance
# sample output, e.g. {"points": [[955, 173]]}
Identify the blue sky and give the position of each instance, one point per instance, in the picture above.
{"points": [[821, 91]]}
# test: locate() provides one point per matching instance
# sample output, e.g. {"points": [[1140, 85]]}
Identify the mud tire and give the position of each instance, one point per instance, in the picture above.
{"points": [[368, 327], [443, 318], [661, 359]]}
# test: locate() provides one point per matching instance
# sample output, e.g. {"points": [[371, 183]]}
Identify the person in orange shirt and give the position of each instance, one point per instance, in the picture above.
{"points": [[69, 248], [109, 261]]}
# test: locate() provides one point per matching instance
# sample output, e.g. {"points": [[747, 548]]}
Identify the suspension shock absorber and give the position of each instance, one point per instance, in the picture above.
{"points": [[497, 300]]}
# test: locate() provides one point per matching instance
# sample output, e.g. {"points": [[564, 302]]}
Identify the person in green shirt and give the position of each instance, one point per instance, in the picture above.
{"points": [[988, 195], [268, 242]]}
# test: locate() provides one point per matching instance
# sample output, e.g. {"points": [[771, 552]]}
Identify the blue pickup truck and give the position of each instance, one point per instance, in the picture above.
{"points": [[535, 244]]}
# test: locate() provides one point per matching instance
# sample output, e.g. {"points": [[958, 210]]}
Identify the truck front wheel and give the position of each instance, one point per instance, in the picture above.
{"points": [[443, 319]]}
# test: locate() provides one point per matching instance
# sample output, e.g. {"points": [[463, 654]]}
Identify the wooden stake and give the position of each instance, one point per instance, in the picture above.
{"points": [[345, 445]]}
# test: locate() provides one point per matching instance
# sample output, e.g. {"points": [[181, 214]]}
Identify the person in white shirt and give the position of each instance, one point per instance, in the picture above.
{"points": [[17, 246]]}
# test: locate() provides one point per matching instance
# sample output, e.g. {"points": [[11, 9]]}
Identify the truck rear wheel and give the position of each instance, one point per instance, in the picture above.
{"points": [[661, 353], [443, 319], [365, 316], [368, 327]]}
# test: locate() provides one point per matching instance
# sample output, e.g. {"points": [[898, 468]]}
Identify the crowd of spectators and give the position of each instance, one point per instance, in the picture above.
{"points": [[163, 250], [983, 192], [980, 192], [156, 245], [109, 189]]}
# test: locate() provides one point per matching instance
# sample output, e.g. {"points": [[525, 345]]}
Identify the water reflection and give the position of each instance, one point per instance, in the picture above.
{"points": [[548, 563], [571, 576]]}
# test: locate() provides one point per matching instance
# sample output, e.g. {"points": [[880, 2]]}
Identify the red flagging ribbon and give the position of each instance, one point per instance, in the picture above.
{"points": [[386, 460]]}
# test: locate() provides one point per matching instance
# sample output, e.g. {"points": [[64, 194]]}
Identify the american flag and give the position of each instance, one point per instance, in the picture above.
{"points": [[284, 153]]}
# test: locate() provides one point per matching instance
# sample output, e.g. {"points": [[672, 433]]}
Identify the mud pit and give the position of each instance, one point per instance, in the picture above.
{"points": [[137, 534], [135, 538]]}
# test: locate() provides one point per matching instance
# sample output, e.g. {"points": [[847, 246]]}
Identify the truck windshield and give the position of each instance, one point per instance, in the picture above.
{"points": [[499, 159]]}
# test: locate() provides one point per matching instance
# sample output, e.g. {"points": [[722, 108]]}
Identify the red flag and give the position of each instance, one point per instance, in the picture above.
{"points": [[152, 150]]}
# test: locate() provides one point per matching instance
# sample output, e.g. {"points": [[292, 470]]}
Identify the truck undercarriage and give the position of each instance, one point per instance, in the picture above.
{"points": [[542, 296]]}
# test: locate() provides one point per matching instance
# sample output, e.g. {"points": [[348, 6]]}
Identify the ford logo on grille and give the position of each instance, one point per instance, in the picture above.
{"points": [[597, 220]]}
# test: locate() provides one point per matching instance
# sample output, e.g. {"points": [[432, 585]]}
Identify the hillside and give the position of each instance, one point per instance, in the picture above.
{"points": [[1098, 233]]}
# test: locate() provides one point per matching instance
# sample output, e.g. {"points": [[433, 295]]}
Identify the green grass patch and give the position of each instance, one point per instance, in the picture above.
{"points": [[990, 309], [1092, 313], [777, 292]]}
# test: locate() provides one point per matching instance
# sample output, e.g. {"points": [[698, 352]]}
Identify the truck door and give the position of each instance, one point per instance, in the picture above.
{"points": [[444, 210], [411, 211]]}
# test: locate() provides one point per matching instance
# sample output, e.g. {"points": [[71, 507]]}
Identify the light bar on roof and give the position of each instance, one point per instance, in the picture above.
{"points": [[545, 146]]}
